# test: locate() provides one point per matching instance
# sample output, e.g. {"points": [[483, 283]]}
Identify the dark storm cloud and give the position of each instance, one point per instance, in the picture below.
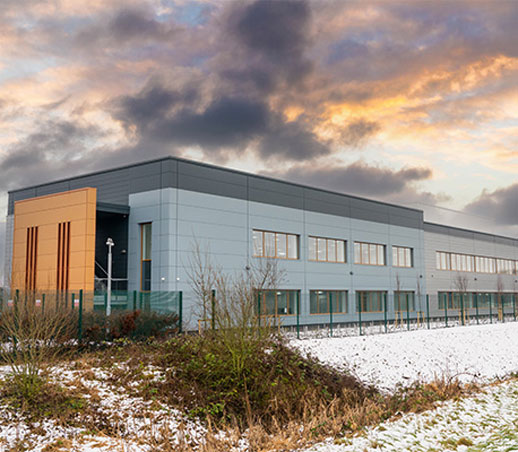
{"points": [[227, 124], [274, 37], [358, 178], [277, 29], [359, 131], [54, 150], [500, 205]]}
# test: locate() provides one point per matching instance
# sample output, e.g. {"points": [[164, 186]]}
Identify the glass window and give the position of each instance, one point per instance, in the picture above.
{"points": [[340, 251], [400, 301], [146, 240], [146, 276], [357, 253], [280, 240], [312, 248], [321, 301], [321, 244], [370, 301], [258, 242], [279, 302], [372, 253], [275, 244], [331, 250], [293, 246], [269, 244]]}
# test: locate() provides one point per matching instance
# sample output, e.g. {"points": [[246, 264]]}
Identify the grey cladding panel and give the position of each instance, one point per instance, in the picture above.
{"points": [[326, 207], [210, 173], [52, 188], [379, 216], [19, 195], [277, 199], [467, 234], [280, 187], [169, 174], [211, 186], [408, 222]]}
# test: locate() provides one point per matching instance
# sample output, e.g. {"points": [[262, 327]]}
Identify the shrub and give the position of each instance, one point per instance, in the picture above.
{"points": [[135, 325]]}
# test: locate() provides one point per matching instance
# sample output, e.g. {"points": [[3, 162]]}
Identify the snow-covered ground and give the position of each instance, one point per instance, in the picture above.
{"points": [[471, 353], [485, 422]]}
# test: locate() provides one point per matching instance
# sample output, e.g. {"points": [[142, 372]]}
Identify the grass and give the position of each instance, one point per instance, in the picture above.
{"points": [[280, 398]]}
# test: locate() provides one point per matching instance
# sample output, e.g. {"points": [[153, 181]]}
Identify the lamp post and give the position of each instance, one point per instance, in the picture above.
{"points": [[109, 244]]}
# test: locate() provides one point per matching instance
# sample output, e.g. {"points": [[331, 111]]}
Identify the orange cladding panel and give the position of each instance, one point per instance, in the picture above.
{"points": [[64, 256]]}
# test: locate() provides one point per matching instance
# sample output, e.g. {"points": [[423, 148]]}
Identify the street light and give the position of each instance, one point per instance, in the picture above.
{"points": [[109, 244]]}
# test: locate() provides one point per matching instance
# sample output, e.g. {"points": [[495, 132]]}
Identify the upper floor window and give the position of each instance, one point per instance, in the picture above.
{"points": [[469, 263], [326, 250], [369, 253], [276, 245], [402, 256]]}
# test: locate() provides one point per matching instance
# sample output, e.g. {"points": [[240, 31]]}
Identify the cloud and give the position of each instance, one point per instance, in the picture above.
{"points": [[501, 205], [225, 126], [357, 132], [357, 178]]}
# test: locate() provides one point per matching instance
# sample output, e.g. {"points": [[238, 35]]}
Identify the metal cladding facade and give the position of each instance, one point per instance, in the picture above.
{"points": [[188, 203]]}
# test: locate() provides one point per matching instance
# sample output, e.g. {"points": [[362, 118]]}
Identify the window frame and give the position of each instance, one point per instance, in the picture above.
{"points": [[327, 292], [142, 260], [366, 250], [380, 292], [327, 240], [291, 297], [286, 235], [395, 252]]}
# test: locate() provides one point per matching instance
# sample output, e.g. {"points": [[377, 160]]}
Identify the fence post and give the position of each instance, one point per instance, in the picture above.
{"points": [[105, 301], [259, 309], [180, 309], [407, 313], [502, 303], [385, 311], [331, 313], [449, 296], [359, 313], [490, 309], [476, 306], [298, 314], [428, 310], [134, 300], [213, 309], [42, 304], [80, 317], [462, 309], [73, 299], [514, 306]]}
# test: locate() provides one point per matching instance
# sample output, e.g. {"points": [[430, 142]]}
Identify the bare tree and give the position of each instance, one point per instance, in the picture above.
{"points": [[461, 283], [231, 301], [32, 336], [500, 287]]}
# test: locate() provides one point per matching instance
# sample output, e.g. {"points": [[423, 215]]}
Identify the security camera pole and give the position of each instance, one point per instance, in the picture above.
{"points": [[109, 243]]}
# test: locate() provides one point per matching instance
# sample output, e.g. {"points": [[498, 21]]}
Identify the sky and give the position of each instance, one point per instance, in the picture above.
{"points": [[412, 102]]}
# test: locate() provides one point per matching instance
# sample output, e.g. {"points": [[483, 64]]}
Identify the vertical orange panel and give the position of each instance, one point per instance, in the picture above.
{"points": [[50, 220]]}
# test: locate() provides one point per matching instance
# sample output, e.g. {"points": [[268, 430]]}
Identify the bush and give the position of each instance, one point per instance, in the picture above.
{"points": [[273, 384], [135, 325]]}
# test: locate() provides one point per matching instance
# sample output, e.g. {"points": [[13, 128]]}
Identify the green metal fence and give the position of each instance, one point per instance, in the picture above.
{"points": [[89, 308]]}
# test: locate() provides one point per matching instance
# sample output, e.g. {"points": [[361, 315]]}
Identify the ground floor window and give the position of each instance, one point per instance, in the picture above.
{"points": [[370, 301], [321, 301], [278, 302], [401, 299], [470, 300]]}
